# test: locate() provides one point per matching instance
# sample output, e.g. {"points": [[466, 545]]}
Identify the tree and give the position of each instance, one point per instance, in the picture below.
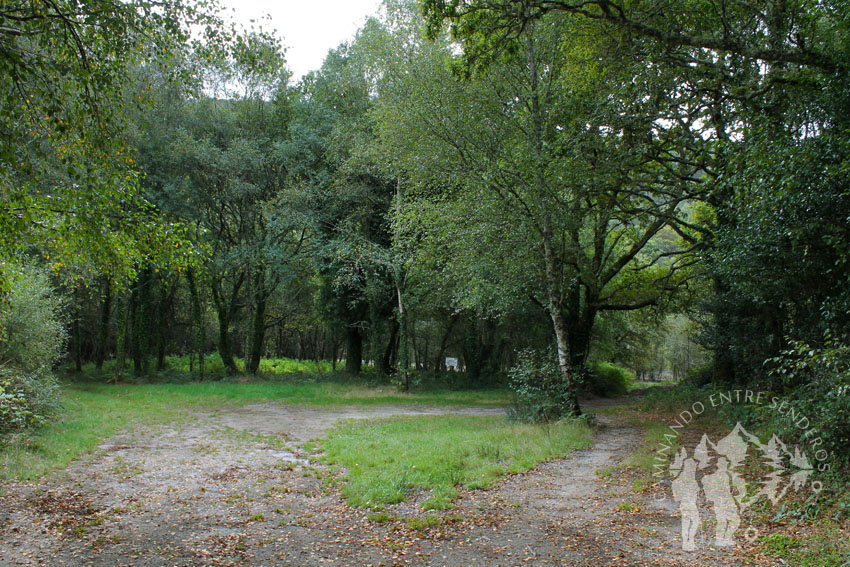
{"points": [[353, 195], [222, 166], [69, 184], [533, 182], [759, 87]]}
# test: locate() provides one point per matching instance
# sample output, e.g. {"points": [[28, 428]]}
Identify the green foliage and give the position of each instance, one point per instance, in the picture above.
{"points": [[68, 180], [540, 394], [35, 335], [607, 379], [825, 547], [388, 459], [681, 396], [26, 400], [269, 367], [33, 341], [822, 394]]}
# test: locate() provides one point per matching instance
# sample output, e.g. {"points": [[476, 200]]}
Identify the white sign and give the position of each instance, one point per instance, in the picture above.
{"points": [[451, 363]]}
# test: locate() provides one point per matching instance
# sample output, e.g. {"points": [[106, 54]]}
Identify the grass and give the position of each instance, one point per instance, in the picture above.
{"points": [[824, 546], [389, 460], [646, 457], [314, 393], [417, 523], [213, 365], [94, 412], [88, 419]]}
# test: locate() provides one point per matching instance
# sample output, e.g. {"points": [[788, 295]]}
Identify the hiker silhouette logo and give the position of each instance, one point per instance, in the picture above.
{"points": [[719, 474]]}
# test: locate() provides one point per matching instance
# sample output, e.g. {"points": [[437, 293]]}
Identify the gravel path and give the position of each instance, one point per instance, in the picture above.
{"points": [[231, 487]]}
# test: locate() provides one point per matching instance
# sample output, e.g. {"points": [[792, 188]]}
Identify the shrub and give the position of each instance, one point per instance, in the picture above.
{"points": [[821, 381], [677, 398], [32, 341], [26, 400], [700, 376], [540, 394], [606, 379]]}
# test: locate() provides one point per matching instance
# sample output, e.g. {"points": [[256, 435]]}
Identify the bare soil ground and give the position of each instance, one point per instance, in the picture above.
{"points": [[231, 487]]}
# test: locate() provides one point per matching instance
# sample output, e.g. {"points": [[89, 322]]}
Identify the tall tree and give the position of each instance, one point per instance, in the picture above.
{"points": [[353, 196], [68, 181], [760, 87], [533, 182]]}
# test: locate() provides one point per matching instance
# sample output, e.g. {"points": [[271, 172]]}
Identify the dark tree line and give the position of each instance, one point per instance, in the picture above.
{"points": [[655, 184]]}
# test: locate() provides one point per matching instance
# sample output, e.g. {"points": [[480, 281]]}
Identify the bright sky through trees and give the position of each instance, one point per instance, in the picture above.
{"points": [[309, 29]]}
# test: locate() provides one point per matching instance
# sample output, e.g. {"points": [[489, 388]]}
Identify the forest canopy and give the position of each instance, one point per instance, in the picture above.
{"points": [[533, 188]]}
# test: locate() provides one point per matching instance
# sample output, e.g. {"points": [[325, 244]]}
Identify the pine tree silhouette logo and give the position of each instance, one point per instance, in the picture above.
{"points": [[715, 470]]}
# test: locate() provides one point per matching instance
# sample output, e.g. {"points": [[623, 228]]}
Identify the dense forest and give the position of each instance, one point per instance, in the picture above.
{"points": [[534, 188]]}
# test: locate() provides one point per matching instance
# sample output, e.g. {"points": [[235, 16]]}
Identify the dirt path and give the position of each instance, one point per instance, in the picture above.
{"points": [[229, 487]]}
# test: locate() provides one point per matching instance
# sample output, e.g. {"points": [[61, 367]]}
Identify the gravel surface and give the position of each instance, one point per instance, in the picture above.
{"points": [[232, 487]]}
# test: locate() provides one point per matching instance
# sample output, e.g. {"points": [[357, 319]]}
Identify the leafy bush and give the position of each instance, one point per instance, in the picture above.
{"points": [[821, 377], [606, 379], [214, 367], [26, 400], [32, 341], [540, 392], [679, 397], [700, 376]]}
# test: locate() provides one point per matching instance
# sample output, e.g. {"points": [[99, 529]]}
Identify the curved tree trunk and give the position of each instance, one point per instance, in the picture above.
{"points": [[226, 308]]}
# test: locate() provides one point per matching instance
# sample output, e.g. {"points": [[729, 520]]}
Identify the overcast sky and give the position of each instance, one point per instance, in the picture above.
{"points": [[309, 28]]}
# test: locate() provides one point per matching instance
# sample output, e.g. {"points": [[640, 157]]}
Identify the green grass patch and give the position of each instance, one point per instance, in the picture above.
{"points": [[314, 393], [380, 518], [825, 546], [95, 412], [388, 460], [646, 457], [418, 523], [88, 418], [213, 365]]}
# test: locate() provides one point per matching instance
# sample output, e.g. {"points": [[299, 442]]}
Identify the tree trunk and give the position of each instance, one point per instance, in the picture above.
{"points": [[135, 330], [334, 350], [226, 309], [165, 299], [439, 362], [197, 318], [564, 363], [403, 346], [78, 349], [472, 351], [224, 348], [580, 334], [121, 337], [354, 351], [392, 345], [258, 324], [376, 328], [103, 331], [554, 275], [144, 320], [559, 322]]}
